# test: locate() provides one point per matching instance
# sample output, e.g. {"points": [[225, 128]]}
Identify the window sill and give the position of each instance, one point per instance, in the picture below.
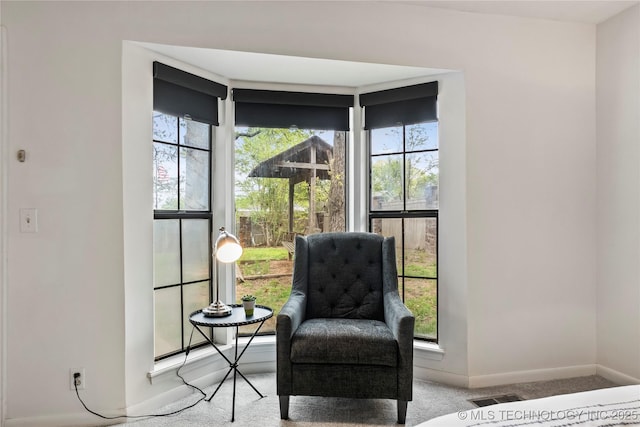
{"points": [[196, 359], [206, 355], [428, 350]]}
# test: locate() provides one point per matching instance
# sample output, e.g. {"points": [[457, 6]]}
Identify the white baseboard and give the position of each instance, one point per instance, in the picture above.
{"points": [[531, 376], [79, 419], [443, 377], [150, 406], [616, 376], [506, 378]]}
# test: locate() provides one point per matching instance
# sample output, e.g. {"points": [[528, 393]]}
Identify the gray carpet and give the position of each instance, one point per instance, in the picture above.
{"points": [[429, 400]]}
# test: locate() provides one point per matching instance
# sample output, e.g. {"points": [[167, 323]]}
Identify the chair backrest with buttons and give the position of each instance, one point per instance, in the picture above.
{"points": [[345, 275]]}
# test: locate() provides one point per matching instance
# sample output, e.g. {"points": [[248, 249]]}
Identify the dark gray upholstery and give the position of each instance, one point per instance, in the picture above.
{"points": [[344, 332]]}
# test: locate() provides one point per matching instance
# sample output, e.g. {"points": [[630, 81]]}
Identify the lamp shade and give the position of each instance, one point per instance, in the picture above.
{"points": [[227, 247]]}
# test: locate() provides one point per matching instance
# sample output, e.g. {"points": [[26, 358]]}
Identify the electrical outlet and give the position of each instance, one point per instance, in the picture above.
{"points": [[80, 382]]}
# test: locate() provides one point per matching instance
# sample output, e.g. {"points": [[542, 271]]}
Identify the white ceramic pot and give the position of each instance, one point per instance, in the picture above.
{"points": [[249, 306]]}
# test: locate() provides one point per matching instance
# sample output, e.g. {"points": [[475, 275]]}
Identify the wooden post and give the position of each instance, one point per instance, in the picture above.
{"points": [[312, 191], [292, 185]]}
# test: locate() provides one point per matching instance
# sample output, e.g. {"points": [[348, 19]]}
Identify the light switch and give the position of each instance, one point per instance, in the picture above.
{"points": [[28, 220]]}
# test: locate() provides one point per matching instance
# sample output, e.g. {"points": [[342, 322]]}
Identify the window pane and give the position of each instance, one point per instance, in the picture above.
{"points": [[420, 240], [422, 136], [196, 297], [386, 183], [420, 243], [165, 128], [165, 176], [195, 249], [194, 180], [407, 182], [168, 334], [421, 173], [389, 227], [270, 291], [386, 140], [421, 298], [288, 182], [182, 162], [194, 134], [166, 252]]}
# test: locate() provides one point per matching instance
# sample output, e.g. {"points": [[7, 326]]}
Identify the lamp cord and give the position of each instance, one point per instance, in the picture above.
{"points": [[204, 395]]}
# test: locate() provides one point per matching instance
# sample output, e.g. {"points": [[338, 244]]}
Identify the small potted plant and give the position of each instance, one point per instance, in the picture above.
{"points": [[249, 303]]}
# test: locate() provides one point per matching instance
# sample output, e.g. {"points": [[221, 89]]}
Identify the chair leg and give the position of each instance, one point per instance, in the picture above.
{"points": [[284, 407], [402, 411]]}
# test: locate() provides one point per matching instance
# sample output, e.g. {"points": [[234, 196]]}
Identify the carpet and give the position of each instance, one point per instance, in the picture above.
{"points": [[429, 400]]}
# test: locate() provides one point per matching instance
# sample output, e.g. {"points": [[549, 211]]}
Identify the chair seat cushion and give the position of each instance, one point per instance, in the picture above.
{"points": [[344, 341]]}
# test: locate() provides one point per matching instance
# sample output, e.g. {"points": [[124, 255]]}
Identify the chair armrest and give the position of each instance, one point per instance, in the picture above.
{"points": [[293, 311], [401, 322], [291, 315], [288, 320], [396, 315], [398, 318]]}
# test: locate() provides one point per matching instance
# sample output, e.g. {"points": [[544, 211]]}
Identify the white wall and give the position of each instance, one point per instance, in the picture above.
{"points": [[522, 277], [531, 204], [65, 296], [618, 148]]}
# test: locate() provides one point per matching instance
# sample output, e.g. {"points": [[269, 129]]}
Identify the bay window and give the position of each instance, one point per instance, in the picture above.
{"points": [[290, 178]]}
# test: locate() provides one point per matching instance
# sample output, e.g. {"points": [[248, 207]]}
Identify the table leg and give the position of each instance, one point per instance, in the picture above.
{"points": [[233, 366], [221, 354], [212, 344], [235, 371], [243, 350], [219, 385]]}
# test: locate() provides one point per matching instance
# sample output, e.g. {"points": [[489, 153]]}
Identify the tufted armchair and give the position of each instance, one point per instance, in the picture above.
{"points": [[344, 332]]}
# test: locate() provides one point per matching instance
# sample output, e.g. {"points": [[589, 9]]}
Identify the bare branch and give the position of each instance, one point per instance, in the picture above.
{"points": [[248, 134]]}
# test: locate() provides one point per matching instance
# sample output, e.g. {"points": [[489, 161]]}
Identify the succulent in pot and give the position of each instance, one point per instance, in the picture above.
{"points": [[249, 304]]}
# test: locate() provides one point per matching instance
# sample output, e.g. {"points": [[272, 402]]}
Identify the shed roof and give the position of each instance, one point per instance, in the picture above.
{"points": [[295, 162]]}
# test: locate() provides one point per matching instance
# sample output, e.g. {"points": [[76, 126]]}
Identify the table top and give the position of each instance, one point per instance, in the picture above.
{"points": [[236, 318]]}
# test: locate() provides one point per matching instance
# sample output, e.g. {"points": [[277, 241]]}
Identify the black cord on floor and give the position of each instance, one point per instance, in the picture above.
{"points": [[204, 395]]}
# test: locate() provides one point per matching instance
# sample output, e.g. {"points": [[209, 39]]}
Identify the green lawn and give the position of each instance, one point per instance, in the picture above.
{"points": [[261, 254], [420, 294], [256, 261]]}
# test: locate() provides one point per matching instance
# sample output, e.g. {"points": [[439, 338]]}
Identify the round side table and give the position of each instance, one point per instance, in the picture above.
{"points": [[236, 319]]}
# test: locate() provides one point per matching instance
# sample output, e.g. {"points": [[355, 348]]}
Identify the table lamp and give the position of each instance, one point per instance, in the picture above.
{"points": [[227, 249]]}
